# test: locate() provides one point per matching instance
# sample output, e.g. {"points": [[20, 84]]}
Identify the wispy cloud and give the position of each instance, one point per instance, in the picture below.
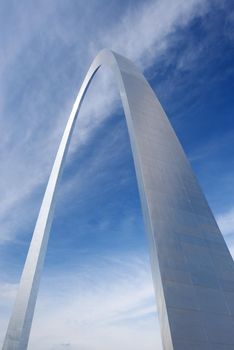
{"points": [[7, 296], [143, 33], [7, 291], [40, 79], [226, 222], [106, 303], [226, 225]]}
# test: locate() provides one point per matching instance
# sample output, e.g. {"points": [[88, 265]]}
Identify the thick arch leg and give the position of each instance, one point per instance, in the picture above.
{"points": [[192, 268]]}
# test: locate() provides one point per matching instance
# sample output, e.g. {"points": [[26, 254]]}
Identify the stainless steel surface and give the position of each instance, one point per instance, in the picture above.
{"points": [[192, 269]]}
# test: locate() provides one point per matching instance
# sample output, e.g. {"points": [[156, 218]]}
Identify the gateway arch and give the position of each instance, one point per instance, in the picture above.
{"points": [[193, 271]]}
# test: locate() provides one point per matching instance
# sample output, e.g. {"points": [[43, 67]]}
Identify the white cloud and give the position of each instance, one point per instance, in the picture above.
{"points": [[226, 222], [143, 34], [7, 296], [226, 225], [7, 291], [28, 150], [107, 304]]}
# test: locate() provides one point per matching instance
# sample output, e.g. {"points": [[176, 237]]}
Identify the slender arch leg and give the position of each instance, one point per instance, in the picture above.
{"points": [[192, 268]]}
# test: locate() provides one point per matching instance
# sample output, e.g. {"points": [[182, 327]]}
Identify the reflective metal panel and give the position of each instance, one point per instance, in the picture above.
{"points": [[192, 268]]}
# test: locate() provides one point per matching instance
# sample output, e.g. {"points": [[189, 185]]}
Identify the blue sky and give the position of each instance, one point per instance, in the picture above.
{"points": [[96, 291]]}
